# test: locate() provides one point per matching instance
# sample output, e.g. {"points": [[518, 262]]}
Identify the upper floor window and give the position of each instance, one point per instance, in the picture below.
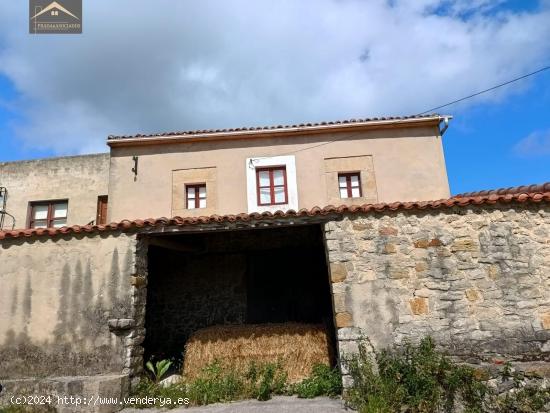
{"points": [[271, 185], [195, 196], [48, 214], [349, 185]]}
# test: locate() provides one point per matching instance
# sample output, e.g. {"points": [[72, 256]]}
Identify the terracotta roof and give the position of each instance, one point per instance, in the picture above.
{"points": [[512, 190], [277, 127], [499, 196]]}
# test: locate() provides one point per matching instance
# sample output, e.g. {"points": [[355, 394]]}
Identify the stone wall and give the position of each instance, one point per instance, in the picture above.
{"points": [[57, 296], [476, 279], [187, 292]]}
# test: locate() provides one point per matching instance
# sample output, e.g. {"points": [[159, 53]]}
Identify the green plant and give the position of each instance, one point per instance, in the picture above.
{"points": [[415, 378], [216, 384], [265, 380], [221, 383], [159, 369], [159, 395], [522, 398], [324, 381], [528, 399]]}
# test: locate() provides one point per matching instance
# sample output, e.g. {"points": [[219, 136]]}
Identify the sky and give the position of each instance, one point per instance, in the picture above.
{"points": [[143, 67]]}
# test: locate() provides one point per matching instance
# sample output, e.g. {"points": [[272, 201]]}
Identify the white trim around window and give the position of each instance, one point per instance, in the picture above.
{"points": [[289, 163]]}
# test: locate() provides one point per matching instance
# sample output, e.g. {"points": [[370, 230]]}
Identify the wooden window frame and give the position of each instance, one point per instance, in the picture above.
{"points": [[272, 185], [49, 217], [349, 186], [101, 219], [197, 187]]}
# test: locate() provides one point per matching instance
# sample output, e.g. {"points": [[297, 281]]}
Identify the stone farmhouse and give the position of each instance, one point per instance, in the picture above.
{"points": [[108, 259]]}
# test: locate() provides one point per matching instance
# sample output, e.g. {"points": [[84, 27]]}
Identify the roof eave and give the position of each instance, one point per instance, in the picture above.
{"points": [[276, 132]]}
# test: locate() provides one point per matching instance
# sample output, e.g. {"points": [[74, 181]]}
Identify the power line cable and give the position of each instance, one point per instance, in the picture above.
{"points": [[432, 109], [484, 91]]}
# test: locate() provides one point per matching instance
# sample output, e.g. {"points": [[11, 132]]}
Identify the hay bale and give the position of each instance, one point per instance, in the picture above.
{"points": [[297, 346]]}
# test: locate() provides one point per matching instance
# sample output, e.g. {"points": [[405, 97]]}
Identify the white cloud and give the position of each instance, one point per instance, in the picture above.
{"points": [[534, 145], [173, 65]]}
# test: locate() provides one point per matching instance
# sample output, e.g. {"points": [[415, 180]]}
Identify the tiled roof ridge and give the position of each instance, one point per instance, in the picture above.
{"points": [[541, 188], [273, 127], [125, 225]]}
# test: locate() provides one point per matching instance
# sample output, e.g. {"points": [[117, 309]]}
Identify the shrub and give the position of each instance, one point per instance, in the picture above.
{"points": [[528, 399], [522, 398], [148, 388], [219, 383], [415, 378], [324, 381], [216, 384], [265, 380]]}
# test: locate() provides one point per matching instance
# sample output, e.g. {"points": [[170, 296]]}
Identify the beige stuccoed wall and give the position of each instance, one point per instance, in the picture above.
{"points": [[80, 179], [56, 297], [408, 165]]}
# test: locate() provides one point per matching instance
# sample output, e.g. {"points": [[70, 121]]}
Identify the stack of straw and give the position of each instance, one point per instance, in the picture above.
{"points": [[298, 347]]}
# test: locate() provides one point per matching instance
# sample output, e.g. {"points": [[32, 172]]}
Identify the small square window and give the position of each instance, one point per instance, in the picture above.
{"points": [[48, 214], [271, 186], [195, 196], [349, 185]]}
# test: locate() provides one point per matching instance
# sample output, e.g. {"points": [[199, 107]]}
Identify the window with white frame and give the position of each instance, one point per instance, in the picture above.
{"points": [[271, 184], [195, 196], [349, 184]]}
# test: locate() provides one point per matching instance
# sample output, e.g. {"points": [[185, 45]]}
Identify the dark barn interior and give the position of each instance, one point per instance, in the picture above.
{"points": [[236, 277]]}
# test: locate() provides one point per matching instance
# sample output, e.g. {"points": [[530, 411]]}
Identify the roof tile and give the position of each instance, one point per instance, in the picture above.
{"points": [[260, 128], [522, 194]]}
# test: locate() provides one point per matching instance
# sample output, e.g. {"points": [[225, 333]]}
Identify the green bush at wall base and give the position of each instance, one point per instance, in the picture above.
{"points": [[412, 379], [324, 381], [218, 384], [419, 379]]}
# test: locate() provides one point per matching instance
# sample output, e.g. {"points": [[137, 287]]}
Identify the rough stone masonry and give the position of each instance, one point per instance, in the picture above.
{"points": [[475, 279]]}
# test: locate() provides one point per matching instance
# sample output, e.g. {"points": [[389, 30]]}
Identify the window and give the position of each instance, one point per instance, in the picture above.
{"points": [[271, 185], [48, 214], [349, 185], [101, 218], [195, 196]]}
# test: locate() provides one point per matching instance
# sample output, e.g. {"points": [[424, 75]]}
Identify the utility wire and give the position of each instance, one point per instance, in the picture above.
{"points": [[484, 91], [430, 110]]}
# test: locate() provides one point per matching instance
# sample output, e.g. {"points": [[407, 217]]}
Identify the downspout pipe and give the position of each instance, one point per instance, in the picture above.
{"points": [[443, 129]]}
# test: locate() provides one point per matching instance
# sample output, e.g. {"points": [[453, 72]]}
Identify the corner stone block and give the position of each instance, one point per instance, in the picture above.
{"points": [[344, 320], [138, 281], [339, 302], [419, 305], [338, 272]]}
